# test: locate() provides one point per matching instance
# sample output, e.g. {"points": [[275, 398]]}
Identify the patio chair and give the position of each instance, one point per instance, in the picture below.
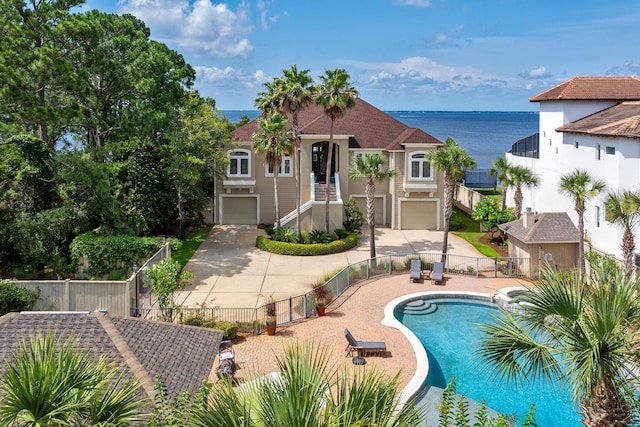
{"points": [[226, 360], [364, 347], [437, 273], [415, 271]]}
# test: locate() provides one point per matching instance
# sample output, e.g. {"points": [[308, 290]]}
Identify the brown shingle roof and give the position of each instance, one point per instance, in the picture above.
{"points": [[548, 227], [182, 356], [593, 88], [620, 120], [368, 126]]}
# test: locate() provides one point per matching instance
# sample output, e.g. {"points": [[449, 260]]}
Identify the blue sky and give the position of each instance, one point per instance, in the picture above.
{"points": [[461, 55]]}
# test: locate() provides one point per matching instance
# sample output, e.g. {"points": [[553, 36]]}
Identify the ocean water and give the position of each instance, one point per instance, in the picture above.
{"points": [[486, 135]]}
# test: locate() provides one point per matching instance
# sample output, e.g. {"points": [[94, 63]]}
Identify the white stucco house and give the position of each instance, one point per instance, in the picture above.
{"points": [[591, 123]]}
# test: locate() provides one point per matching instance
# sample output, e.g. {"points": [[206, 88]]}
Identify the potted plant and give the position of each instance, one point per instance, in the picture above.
{"points": [[270, 312], [320, 296]]}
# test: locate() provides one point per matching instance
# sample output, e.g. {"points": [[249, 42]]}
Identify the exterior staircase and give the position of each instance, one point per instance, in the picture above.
{"points": [[321, 192]]}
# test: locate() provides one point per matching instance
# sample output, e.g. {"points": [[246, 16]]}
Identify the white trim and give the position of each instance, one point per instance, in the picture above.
{"points": [[228, 184], [282, 167], [423, 160], [222, 197], [430, 199], [392, 188], [230, 155], [384, 205]]}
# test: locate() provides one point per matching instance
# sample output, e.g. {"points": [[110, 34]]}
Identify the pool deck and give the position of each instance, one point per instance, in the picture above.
{"points": [[361, 310]]}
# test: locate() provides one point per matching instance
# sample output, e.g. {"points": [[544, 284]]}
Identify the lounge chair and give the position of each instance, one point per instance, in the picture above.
{"points": [[415, 273], [364, 347], [226, 360], [437, 273]]}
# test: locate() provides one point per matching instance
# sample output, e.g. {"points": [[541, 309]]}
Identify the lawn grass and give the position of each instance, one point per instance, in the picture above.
{"points": [[472, 234], [190, 245], [490, 192]]}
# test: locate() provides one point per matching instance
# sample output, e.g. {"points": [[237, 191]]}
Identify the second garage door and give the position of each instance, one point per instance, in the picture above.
{"points": [[240, 210], [418, 215]]}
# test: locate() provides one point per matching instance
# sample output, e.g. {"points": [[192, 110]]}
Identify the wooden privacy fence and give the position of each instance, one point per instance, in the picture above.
{"points": [[116, 297]]}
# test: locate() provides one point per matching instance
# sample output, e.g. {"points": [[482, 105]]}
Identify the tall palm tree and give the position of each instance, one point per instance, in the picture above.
{"points": [[623, 209], [520, 177], [50, 383], [581, 188], [307, 393], [274, 140], [500, 171], [336, 96], [370, 167], [297, 92], [576, 332], [453, 160]]}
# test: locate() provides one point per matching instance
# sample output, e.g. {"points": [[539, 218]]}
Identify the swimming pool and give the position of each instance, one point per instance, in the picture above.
{"points": [[447, 328]]}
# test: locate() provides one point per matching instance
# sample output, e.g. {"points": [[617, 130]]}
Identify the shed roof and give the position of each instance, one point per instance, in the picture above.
{"points": [[367, 126], [611, 88], [182, 356], [620, 120], [548, 227]]}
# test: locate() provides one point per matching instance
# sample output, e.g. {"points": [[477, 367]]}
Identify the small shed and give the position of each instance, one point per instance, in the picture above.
{"points": [[548, 238]]}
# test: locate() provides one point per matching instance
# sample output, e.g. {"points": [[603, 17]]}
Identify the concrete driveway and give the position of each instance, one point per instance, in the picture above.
{"points": [[229, 271]]}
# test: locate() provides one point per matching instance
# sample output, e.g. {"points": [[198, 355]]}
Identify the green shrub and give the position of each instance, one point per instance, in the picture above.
{"points": [[230, 329], [354, 217], [455, 222], [288, 235], [14, 298], [107, 253], [341, 233], [319, 236], [299, 249]]}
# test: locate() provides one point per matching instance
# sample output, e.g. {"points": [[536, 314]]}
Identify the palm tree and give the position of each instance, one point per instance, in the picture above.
{"points": [[50, 384], [296, 92], [336, 96], [500, 171], [623, 209], [578, 332], [453, 160], [581, 188], [370, 166], [307, 393], [274, 140], [519, 177]]}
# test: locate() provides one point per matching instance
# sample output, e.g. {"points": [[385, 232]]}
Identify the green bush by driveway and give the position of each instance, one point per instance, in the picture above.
{"points": [[298, 249]]}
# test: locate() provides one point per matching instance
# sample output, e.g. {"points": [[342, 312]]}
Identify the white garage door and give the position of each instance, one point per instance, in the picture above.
{"points": [[379, 205], [418, 215], [240, 210]]}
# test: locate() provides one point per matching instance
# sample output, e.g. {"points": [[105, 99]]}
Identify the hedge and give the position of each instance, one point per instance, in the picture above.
{"points": [[298, 249]]}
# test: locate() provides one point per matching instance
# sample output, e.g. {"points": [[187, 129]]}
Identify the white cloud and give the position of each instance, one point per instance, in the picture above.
{"points": [[265, 19], [419, 3], [228, 76], [201, 27], [536, 73]]}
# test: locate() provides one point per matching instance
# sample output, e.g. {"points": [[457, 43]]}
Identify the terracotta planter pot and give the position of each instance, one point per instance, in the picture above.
{"points": [[270, 325], [320, 310]]}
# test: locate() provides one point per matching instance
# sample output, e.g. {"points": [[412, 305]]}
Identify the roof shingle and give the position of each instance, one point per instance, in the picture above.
{"points": [[548, 227], [368, 127], [620, 120]]}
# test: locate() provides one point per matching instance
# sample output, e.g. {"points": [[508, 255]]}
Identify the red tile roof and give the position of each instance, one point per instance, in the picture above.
{"points": [[368, 127], [593, 88], [620, 120]]}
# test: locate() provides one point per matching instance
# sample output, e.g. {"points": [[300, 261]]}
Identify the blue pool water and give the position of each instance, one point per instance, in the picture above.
{"points": [[450, 334]]}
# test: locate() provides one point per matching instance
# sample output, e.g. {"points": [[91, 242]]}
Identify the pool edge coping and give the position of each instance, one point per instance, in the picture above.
{"points": [[415, 384]]}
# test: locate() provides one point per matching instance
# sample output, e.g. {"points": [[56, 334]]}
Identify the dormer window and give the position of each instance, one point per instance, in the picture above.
{"points": [[239, 163], [419, 166]]}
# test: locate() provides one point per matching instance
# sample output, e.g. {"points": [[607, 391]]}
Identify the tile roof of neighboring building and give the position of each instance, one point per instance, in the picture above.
{"points": [[182, 356], [620, 120], [368, 127], [594, 89], [548, 227]]}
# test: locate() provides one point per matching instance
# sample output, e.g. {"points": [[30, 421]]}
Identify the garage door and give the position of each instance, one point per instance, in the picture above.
{"points": [[240, 210], [418, 215], [379, 204]]}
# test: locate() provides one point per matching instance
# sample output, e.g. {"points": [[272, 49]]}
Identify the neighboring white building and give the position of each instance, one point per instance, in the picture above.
{"points": [[591, 123]]}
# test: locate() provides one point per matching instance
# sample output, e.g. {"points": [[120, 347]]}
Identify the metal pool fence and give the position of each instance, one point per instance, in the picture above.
{"points": [[303, 306]]}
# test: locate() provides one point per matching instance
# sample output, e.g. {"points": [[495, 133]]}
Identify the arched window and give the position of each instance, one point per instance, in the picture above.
{"points": [[419, 166], [239, 163]]}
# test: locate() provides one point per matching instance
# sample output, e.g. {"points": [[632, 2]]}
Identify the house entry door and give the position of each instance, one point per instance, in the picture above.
{"points": [[320, 153]]}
